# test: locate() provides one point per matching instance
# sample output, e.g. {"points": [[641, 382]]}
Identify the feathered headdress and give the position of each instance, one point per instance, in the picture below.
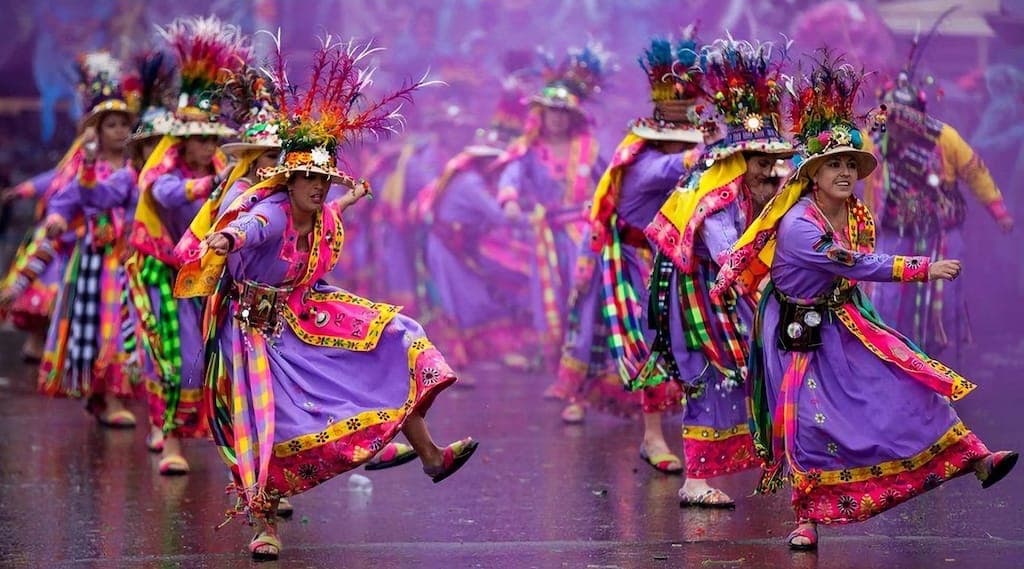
{"points": [[744, 81], [578, 77], [333, 108], [907, 89], [156, 77], [823, 117], [208, 51], [248, 94], [101, 86], [674, 74]]}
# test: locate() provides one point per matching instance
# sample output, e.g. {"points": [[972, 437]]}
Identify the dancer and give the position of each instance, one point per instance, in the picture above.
{"points": [[181, 173], [854, 412], [548, 174], [704, 341], [85, 356], [308, 381]]}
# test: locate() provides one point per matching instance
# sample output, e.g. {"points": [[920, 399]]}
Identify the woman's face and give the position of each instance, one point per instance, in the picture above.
{"points": [[308, 191], [837, 176], [199, 150], [557, 121], [115, 129], [759, 170]]}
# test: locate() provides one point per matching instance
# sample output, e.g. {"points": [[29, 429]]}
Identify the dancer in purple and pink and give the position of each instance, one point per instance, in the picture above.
{"points": [[308, 381], [855, 413]]}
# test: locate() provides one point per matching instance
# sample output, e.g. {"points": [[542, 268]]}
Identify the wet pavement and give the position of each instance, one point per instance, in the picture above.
{"points": [[537, 494]]}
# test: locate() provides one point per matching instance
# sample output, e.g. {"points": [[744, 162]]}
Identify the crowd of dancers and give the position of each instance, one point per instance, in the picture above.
{"points": [[202, 246]]}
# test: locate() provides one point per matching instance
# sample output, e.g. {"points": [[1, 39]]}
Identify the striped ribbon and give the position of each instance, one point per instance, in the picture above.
{"points": [[714, 332], [253, 402], [546, 256]]}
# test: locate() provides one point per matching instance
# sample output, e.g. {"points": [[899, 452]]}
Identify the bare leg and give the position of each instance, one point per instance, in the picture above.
{"points": [[268, 527], [654, 436], [430, 454]]}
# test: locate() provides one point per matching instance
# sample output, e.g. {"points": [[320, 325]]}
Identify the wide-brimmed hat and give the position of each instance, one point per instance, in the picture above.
{"points": [[208, 52], [673, 73], [578, 77], [101, 87], [824, 121]]}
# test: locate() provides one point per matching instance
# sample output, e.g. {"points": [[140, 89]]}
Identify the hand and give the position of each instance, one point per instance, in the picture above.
{"points": [[946, 269], [6, 298], [1006, 224], [8, 195], [512, 210], [360, 190], [55, 227], [90, 142], [219, 243]]}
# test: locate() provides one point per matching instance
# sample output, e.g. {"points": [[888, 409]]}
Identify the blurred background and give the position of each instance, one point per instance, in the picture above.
{"points": [[975, 59]]}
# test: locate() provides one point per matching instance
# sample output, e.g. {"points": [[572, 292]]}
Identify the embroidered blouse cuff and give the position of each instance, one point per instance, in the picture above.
{"points": [[235, 236], [910, 269]]}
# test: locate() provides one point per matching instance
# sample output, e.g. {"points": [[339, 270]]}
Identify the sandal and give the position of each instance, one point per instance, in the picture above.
{"points": [[712, 498], [455, 455], [394, 454], [809, 533], [122, 419], [173, 465], [285, 509], [665, 463], [573, 413], [270, 545], [155, 441], [996, 466]]}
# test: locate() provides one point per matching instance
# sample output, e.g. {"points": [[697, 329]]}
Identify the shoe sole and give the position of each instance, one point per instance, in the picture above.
{"points": [[1000, 471], [391, 464]]}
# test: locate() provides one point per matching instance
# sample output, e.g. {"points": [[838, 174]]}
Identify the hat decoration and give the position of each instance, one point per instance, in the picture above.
{"points": [[156, 76], [907, 89], [823, 117], [743, 80], [248, 93], [673, 72], [102, 85], [332, 109], [578, 77], [208, 52]]}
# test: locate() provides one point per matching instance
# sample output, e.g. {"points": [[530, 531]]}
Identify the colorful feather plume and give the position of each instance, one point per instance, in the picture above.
{"points": [[155, 75], [208, 50], [334, 107], [825, 97], [582, 72], [99, 78], [249, 95], [743, 79], [673, 70]]}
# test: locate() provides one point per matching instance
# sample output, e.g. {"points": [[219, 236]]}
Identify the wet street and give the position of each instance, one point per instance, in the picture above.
{"points": [[537, 494]]}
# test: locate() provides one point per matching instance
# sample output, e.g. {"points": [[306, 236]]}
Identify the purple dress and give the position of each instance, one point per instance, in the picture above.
{"points": [[323, 378], [588, 373], [557, 190], [708, 338], [396, 236], [37, 267], [863, 419], [85, 347], [478, 294]]}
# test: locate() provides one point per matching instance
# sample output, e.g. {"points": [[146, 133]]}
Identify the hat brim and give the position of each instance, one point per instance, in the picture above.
{"points": [[236, 149], [775, 147], [667, 134], [560, 104], [337, 177], [482, 150], [866, 161], [201, 128], [95, 115]]}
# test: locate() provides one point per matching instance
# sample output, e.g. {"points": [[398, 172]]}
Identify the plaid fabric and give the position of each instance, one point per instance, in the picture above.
{"points": [[621, 310], [84, 321], [546, 256], [712, 326], [252, 398], [165, 332]]}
